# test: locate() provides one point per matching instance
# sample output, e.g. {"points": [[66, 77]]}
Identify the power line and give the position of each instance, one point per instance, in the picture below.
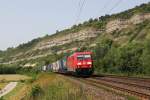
{"points": [[105, 5], [81, 6], [80, 3], [116, 4], [78, 10]]}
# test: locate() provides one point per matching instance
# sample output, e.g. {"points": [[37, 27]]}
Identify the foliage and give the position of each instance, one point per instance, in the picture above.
{"points": [[125, 59], [1, 98], [146, 58], [35, 91], [129, 58], [143, 8], [54, 89], [9, 69]]}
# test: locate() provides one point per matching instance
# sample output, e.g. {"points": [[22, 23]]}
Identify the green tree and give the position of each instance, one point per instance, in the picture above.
{"points": [[129, 58], [109, 62], [100, 52], [146, 57]]}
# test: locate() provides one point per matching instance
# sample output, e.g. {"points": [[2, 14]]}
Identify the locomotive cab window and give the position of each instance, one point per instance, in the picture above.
{"points": [[83, 57], [80, 57], [87, 56]]}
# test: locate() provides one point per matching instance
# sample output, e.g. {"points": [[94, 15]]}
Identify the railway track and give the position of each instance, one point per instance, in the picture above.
{"points": [[124, 85], [100, 83], [125, 77], [141, 84]]}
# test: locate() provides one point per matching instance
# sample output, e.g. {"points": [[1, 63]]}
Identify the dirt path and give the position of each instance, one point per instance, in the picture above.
{"points": [[9, 87]]}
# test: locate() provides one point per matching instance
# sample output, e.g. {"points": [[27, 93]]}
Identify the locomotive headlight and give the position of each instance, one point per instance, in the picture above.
{"points": [[78, 63], [89, 62]]}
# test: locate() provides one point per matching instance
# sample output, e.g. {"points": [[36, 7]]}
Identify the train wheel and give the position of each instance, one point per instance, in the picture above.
{"points": [[84, 72], [77, 72]]}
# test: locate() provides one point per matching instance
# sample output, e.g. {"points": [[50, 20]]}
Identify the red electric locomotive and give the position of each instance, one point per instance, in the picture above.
{"points": [[80, 63]]}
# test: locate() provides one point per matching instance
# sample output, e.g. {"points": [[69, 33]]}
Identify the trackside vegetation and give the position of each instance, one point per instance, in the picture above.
{"points": [[48, 86], [132, 57]]}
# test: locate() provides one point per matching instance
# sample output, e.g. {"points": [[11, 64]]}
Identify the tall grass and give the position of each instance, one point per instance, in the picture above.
{"points": [[59, 91], [50, 87]]}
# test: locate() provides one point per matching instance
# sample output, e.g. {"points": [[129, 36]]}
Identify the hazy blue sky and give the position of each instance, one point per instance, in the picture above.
{"points": [[24, 20]]}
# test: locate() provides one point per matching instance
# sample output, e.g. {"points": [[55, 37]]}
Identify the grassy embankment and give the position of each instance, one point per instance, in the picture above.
{"points": [[6, 78], [12, 77], [47, 86], [2, 85]]}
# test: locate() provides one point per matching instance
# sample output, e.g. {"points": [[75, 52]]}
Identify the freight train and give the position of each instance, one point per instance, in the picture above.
{"points": [[79, 63]]}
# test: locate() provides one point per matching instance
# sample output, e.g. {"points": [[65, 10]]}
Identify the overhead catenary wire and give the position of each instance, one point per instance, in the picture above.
{"points": [[81, 6], [79, 11], [105, 6], [116, 4]]}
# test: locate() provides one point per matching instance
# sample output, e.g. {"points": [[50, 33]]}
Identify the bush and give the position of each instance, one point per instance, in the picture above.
{"points": [[8, 69], [125, 59], [1, 98], [35, 91], [146, 57], [129, 58]]}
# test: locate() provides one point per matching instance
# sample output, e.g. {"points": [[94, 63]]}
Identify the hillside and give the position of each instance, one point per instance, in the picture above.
{"points": [[122, 29]]}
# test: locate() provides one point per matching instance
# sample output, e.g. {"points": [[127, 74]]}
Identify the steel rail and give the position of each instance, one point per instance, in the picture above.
{"points": [[121, 89]]}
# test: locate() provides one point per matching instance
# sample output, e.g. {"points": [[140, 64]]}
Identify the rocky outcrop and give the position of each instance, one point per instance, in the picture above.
{"points": [[78, 36], [111, 26], [119, 24]]}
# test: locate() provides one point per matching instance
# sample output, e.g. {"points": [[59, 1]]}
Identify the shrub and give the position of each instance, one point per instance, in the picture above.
{"points": [[35, 91], [1, 98], [146, 57]]}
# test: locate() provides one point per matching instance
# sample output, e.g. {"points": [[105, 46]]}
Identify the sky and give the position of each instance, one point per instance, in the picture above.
{"points": [[24, 20]]}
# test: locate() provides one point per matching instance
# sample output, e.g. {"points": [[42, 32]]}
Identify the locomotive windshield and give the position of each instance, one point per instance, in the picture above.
{"points": [[83, 57]]}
